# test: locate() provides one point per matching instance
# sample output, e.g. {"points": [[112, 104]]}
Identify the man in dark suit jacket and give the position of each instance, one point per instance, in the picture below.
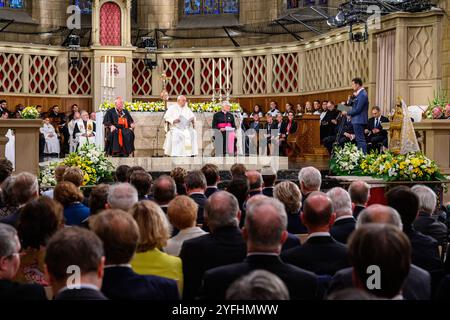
{"points": [[287, 128], [269, 176], [327, 125], [211, 172], [195, 183], [320, 253], [120, 281], [270, 132], [359, 112], [264, 246], [359, 192], [375, 134], [75, 247], [10, 257], [224, 245], [345, 223]]}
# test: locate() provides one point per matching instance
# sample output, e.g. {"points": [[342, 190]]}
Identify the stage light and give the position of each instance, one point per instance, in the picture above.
{"points": [[149, 44], [74, 54]]}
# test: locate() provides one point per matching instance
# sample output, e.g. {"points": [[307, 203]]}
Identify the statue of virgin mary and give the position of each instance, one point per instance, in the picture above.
{"points": [[402, 135]]}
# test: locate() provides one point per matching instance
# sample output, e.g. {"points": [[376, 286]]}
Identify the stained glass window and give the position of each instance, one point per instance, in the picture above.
{"points": [[208, 7], [15, 4], [84, 5], [294, 4]]}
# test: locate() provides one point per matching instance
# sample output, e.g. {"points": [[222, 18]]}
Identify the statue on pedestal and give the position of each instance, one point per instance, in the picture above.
{"points": [[402, 137]]}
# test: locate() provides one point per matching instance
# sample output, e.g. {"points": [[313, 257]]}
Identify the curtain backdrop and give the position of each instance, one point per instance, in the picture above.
{"points": [[385, 71]]}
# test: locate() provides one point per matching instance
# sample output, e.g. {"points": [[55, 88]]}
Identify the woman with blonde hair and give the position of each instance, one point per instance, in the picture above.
{"points": [[154, 232], [290, 195]]}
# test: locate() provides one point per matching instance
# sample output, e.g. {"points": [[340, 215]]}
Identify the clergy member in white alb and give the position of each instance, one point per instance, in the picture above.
{"points": [[51, 139], [181, 140], [84, 131]]}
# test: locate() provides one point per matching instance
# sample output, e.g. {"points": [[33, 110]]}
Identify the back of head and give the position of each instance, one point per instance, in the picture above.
{"points": [[178, 174], [121, 173], [359, 192], [7, 192], [258, 285], [122, 196], [132, 170], [153, 225], [289, 194], [39, 220], [6, 169], [406, 203], [378, 213], [317, 210], [310, 179], [142, 181], [98, 198], [427, 198], [119, 233], [164, 189], [8, 240], [254, 180], [73, 247], [195, 180], [342, 204], [269, 176], [25, 188], [221, 210], [211, 172], [237, 170], [381, 258], [239, 187], [59, 172], [182, 212], [67, 193], [74, 175], [265, 223]]}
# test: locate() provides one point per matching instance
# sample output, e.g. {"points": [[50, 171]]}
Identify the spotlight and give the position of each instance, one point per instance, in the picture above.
{"points": [[74, 54], [73, 42], [149, 44], [150, 64]]}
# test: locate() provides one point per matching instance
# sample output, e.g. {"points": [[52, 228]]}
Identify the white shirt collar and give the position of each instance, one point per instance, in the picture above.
{"points": [[360, 89], [319, 234], [81, 286], [124, 265], [344, 217], [262, 254]]}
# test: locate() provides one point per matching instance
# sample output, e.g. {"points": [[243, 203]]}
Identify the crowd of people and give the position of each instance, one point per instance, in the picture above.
{"points": [[189, 235]]}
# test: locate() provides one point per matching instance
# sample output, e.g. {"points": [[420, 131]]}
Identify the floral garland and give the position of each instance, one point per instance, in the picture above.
{"points": [[159, 106], [349, 160], [91, 159], [29, 113]]}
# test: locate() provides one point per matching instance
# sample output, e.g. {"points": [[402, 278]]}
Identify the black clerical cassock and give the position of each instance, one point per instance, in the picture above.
{"points": [[224, 133], [120, 142]]}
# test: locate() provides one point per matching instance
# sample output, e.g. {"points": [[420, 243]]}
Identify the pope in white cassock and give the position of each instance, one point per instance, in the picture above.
{"points": [[181, 140]]}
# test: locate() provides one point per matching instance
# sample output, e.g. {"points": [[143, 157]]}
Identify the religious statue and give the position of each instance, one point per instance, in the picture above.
{"points": [[402, 137]]}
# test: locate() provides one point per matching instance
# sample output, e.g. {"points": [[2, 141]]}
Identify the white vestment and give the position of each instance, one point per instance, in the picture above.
{"points": [[51, 139], [10, 148], [72, 141], [82, 136], [181, 140]]}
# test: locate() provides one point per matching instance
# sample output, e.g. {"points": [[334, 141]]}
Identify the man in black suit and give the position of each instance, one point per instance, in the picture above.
{"points": [[327, 125], [270, 133], [195, 183], [341, 134], [345, 223], [359, 192], [425, 222], [224, 245], [142, 181], [252, 136], [425, 252], [255, 182], [320, 253], [269, 176], [120, 235], [417, 285], [9, 265], [265, 232], [75, 247], [376, 136], [164, 190], [211, 172]]}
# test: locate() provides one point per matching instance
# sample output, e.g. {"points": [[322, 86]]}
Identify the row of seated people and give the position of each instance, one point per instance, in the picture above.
{"points": [[315, 108], [200, 244]]}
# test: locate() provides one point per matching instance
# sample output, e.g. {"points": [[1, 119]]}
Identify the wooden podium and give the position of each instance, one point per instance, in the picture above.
{"points": [[305, 143]]}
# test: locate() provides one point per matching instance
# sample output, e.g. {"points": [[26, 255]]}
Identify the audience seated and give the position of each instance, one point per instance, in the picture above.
{"points": [[426, 222], [320, 253], [376, 136], [310, 180], [417, 285], [119, 233], [78, 247], [269, 176], [182, 214], [154, 233], [290, 196], [224, 245], [132, 170], [258, 285], [120, 175], [255, 182], [345, 222], [195, 183], [142, 181], [6, 169], [237, 170], [211, 172], [387, 248], [98, 199], [425, 252], [164, 190], [9, 265], [71, 197], [9, 204], [122, 196], [24, 189], [74, 175], [178, 174], [265, 231], [38, 221], [359, 192]]}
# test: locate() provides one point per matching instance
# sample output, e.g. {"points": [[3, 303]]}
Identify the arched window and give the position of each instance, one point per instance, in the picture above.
{"points": [[206, 7], [14, 4]]}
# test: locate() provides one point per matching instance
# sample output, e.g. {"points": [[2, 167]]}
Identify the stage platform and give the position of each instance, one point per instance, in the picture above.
{"points": [[154, 164]]}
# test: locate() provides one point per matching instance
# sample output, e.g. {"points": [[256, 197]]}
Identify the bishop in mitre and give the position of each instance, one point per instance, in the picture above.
{"points": [[181, 139]]}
